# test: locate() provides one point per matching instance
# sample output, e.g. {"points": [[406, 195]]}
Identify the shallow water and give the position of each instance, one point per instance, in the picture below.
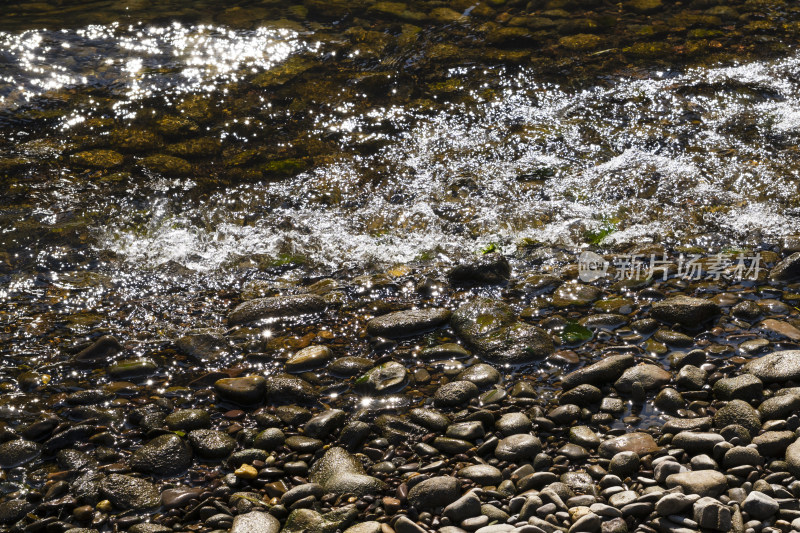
{"points": [[265, 139]]}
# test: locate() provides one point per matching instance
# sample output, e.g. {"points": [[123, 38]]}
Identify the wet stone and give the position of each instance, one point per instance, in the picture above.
{"points": [[575, 294], [405, 323], [490, 268], [164, 455], [276, 307], [325, 423], [482, 375], [349, 366], [455, 393], [245, 390], [434, 492], [211, 444], [640, 443], [308, 358], [100, 350], [648, 376], [18, 452], [188, 419], [13, 510], [128, 492], [133, 368], [786, 270], [518, 447], [685, 310], [582, 396], [386, 377], [600, 373], [513, 423], [287, 388], [490, 328], [339, 472]]}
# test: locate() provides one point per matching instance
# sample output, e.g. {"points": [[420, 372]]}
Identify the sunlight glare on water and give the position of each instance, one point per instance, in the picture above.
{"points": [[137, 61], [667, 159]]}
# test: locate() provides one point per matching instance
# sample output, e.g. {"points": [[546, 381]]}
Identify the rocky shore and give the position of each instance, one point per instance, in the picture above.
{"points": [[532, 402]]}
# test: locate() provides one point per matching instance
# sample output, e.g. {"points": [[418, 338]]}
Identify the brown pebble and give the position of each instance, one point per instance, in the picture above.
{"points": [[83, 513], [391, 505], [234, 414]]}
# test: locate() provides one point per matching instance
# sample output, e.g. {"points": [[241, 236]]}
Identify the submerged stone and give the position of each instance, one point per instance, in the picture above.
{"points": [[490, 329]]}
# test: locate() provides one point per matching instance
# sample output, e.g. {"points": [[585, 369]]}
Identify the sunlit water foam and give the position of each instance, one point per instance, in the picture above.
{"points": [[709, 151], [706, 152]]}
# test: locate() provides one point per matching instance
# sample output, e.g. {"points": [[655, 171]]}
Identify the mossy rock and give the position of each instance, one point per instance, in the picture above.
{"points": [[174, 126], [282, 168], [648, 50], [581, 41], [195, 148], [398, 10], [102, 159], [167, 165], [284, 72], [644, 6], [128, 140]]}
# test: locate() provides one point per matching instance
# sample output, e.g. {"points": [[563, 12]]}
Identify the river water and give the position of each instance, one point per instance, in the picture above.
{"points": [[147, 144]]}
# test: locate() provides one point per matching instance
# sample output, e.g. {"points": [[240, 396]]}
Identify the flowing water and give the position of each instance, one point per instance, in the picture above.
{"points": [[155, 157]]}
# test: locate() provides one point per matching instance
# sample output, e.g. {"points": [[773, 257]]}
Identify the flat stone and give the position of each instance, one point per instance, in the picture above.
{"points": [[517, 447], [601, 373], [696, 442], [309, 358], [255, 522], [777, 367], [490, 328], [276, 307], [435, 492], [745, 387], [405, 323], [702, 482], [760, 506], [648, 376], [781, 328], [483, 475], [245, 390], [786, 270], [164, 455], [18, 452], [774, 443], [640, 443], [685, 310], [128, 492]]}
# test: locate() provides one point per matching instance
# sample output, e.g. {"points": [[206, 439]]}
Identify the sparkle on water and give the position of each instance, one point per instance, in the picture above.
{"points": [[666, 158], [669, 158]]}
